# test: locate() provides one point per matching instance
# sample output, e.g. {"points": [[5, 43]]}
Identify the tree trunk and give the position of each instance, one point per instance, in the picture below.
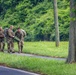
{"points": [[72, 34], [56, 23]]}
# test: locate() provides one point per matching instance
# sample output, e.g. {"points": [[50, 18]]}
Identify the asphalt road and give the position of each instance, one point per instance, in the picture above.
{"points": [[11, 71]]}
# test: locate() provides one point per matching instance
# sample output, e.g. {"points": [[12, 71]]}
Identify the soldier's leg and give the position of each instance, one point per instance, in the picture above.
{"points": [[9, 46], [0, 46], [12, 46], [18, 46], [3, 45], [21, 46]]}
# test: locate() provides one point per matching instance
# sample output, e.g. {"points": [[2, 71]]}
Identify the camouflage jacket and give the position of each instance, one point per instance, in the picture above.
{"points": [[19, 34], [10, 33], [1, 34]]}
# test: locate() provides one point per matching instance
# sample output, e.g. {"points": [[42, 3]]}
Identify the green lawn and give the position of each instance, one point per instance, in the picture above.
{"points": [[39, 65], [42, 66], [45, 48]]}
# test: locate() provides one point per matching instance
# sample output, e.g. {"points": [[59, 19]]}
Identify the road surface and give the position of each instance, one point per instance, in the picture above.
{"points": [[11, 71]]}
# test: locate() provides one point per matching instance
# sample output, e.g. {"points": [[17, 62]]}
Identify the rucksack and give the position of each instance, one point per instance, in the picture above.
{"points": [[6, 32], [24, 33]]}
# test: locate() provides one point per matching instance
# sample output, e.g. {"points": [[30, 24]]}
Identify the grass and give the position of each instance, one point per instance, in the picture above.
{"points": [[42, 66], [45, 48], [39, 65]]}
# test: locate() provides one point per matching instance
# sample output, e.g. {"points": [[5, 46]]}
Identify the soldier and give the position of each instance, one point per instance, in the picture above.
{"points": [[10, 39], [20, 34], [2, 43]]}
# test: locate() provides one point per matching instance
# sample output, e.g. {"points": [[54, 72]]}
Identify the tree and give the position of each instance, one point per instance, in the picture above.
{"points": [[72, 33], [56, 23]]}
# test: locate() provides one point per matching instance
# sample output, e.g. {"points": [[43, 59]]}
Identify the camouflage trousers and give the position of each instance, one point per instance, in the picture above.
{"points": [[2, 45], [20, 46], [10, 45]]}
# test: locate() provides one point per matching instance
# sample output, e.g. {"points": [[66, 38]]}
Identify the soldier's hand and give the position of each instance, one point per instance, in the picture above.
{"points": [[13, 36]]}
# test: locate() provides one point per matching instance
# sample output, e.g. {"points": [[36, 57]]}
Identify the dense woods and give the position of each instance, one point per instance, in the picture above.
{"points": [[36, 17]]}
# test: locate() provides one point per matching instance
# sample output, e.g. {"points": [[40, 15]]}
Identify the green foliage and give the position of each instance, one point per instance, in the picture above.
{"points": [[36, 17]]}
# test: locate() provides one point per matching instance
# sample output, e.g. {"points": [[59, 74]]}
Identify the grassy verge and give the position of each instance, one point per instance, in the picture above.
{"points": [[45, 48], [42, 66]]}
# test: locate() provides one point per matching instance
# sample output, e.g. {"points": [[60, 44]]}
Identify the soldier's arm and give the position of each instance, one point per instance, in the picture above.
{"points": [[21, 35], [2, 34]]}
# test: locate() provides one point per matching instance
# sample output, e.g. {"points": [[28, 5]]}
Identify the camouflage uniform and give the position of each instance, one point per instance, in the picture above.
{"points": [[20, 35], [10, 40], [2, 43]]}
